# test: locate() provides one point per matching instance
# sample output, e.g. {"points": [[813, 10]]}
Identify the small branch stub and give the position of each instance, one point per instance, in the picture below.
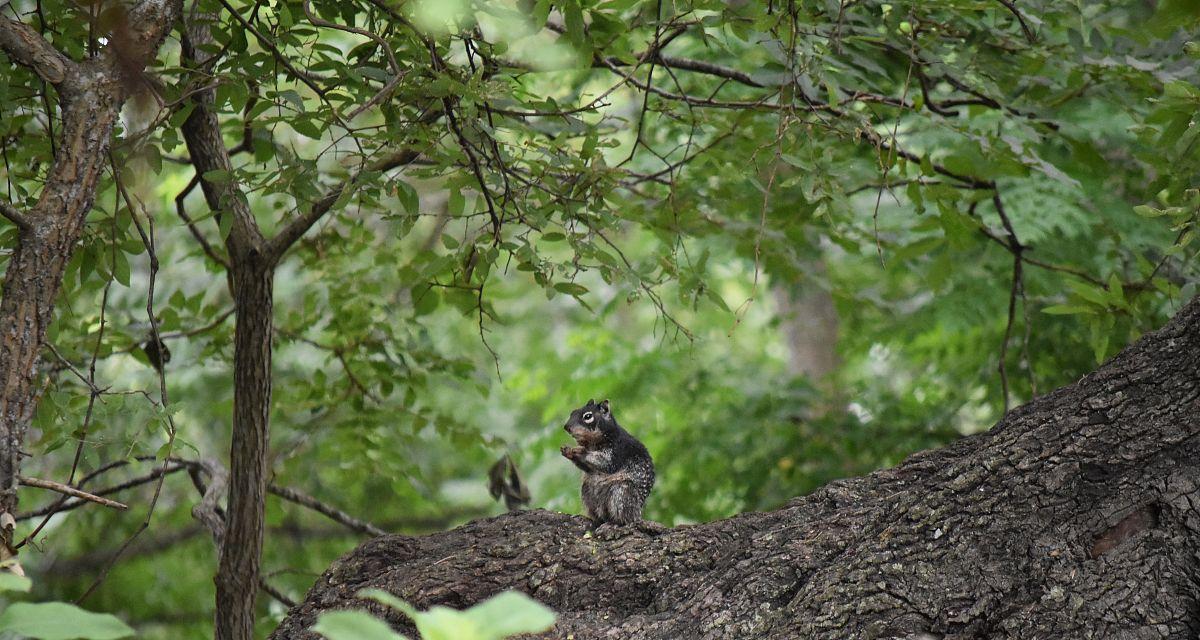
{"points": [[16, 217]]}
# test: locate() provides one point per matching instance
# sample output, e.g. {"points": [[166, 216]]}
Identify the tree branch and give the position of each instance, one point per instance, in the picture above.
{"points": [[992, 523], [26, 47], [333, 513], [70, 491], [208, 510], [16, 217], [129, 484], [1020, 19], [278, 245]]}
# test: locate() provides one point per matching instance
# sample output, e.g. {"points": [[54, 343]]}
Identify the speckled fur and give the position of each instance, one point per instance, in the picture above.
{"points": [[617, 470]]}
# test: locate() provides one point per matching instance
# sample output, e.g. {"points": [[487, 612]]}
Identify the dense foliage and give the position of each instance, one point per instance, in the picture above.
{"points": [[605, 198]]}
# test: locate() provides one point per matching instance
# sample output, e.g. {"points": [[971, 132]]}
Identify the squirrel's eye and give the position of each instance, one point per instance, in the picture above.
{"points": [[588, 418]]}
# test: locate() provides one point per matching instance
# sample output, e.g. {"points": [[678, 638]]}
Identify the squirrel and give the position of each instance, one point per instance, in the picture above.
{"points": [[617, 470]]}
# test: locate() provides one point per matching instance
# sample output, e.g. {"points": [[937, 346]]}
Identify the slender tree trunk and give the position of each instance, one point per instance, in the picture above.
{"points": [[1075, 517], [238, 575], [810, 325], [90, 97], [253, 271]]}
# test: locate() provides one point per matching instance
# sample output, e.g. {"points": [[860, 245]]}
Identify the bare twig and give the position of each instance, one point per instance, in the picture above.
{"points": [[1020, 19], [128, 484], [181, 210], [333, 513], [70, 491], [1017, 290], [147, 237]]}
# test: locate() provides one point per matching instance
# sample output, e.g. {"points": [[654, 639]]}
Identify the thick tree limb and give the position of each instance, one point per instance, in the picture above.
{"points": [[286, 237], [1073, 517], [24, 45]]}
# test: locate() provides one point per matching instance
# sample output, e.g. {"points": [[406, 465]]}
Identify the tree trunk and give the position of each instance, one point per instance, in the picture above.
{"points": [[241, 548], [91, 103], [810, 327], [90, 97], [809, 321], [253, 272], [1074, 517]]}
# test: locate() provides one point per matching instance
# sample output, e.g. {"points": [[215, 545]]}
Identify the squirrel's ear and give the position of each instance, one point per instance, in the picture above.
{"points": [[604, 406], [590, 403]]}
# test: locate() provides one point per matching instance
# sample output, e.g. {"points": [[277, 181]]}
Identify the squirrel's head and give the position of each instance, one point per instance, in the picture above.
{"points": [[591, 424]]}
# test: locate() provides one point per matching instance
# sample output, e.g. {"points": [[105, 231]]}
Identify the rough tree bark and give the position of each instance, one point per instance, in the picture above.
{"points": [[253, 273], [91, 93], [1074, 517]]}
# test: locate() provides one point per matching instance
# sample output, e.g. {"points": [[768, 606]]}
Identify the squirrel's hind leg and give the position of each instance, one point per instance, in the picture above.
{"points": [[623, 505]]}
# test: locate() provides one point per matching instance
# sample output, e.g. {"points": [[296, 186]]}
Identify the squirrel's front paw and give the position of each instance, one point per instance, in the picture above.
{"points": [[571, 452]]}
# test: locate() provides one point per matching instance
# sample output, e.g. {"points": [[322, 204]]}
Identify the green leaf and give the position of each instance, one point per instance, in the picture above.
{"points": [[61, 621], [570, 288], [716, 298], [383, 597], [354, 625], [507, 614], [294, 98], [918, 248], [455, 203], [305, 127], [13, 582], [217, 175], [1089, 292], [1116, 291], [121, 267], [573, 17], [425, 299], [408, 197], [511, 613]]}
